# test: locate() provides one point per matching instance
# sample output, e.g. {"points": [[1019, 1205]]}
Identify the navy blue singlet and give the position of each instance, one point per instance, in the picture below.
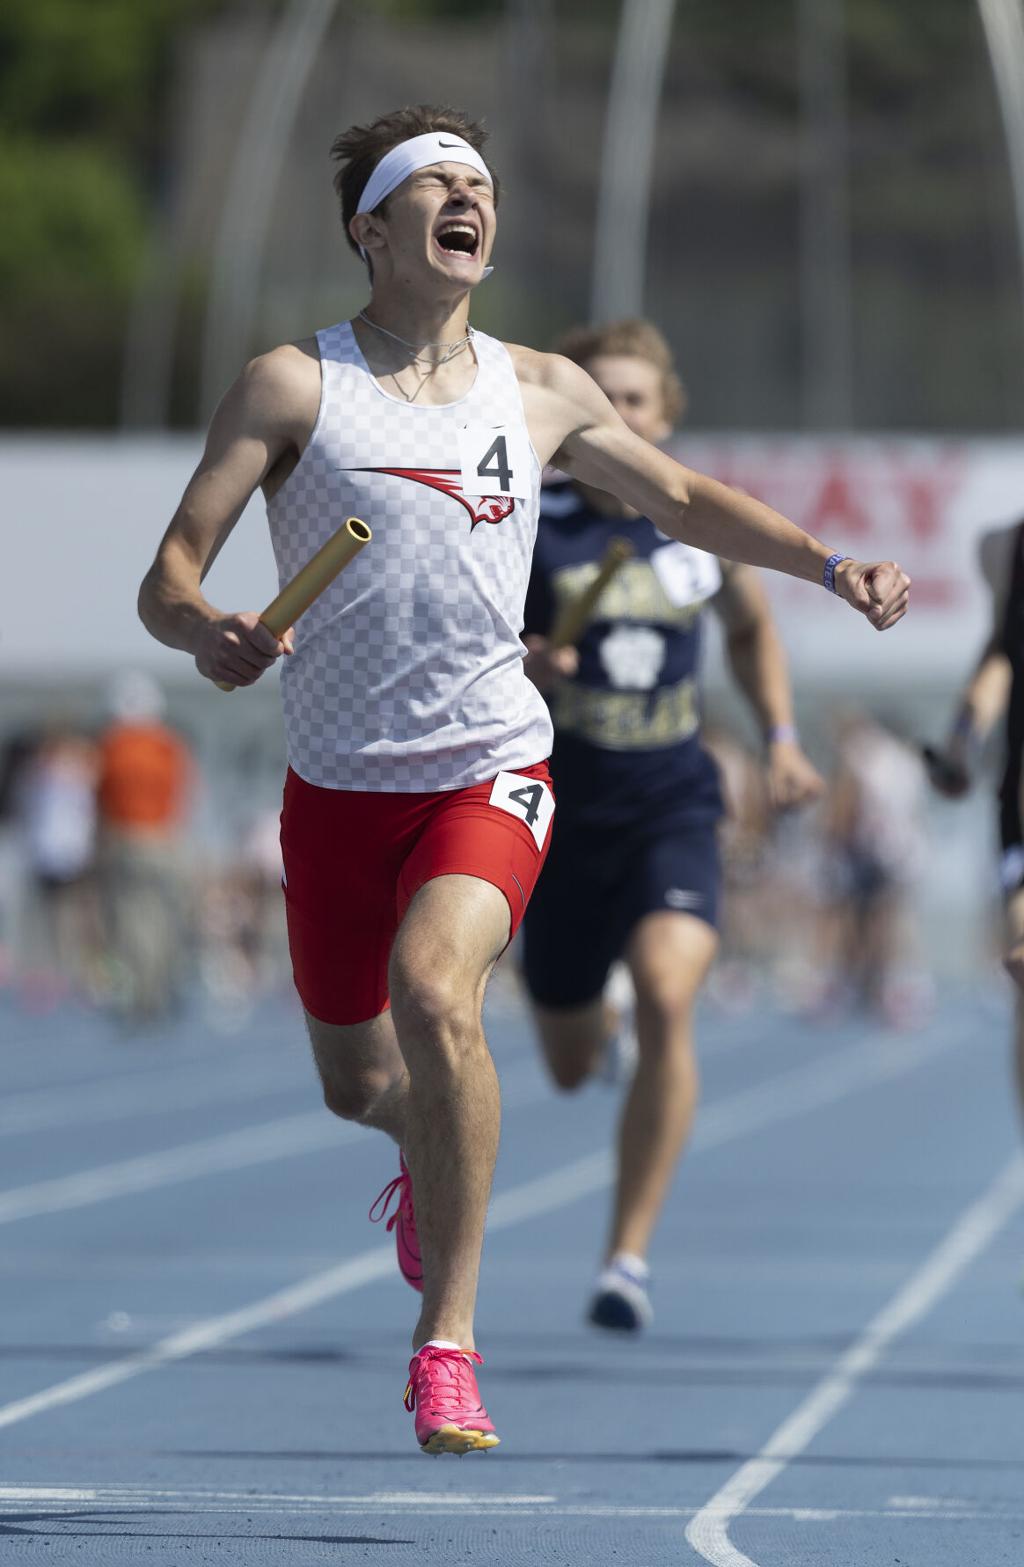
{"points": [[627, 729]]}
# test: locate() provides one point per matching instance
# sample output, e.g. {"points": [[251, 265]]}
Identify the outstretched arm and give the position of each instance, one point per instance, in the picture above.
{"points": [[981, 705], [758, 662], [590, 442], [987, 691], [252, 431]]}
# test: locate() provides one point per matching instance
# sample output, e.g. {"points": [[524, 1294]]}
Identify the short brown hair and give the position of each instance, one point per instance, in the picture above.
{"points": [[358, 150], [639, 340]]}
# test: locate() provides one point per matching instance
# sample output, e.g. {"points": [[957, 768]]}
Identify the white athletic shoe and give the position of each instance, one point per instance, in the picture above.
{"points": [[617, 1061], [620, 1300]]}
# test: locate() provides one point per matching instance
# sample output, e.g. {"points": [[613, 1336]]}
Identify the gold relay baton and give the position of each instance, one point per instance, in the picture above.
{"points": [[573, 617], [308, 583]]}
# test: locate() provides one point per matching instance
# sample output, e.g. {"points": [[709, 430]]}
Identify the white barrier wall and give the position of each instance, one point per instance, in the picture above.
{"points": [[922, 502], [82, 518], [81, 522]]}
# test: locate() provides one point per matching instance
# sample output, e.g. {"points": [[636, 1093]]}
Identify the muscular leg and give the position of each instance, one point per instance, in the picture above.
{"points": [[362, 1071], [669, 956], [452, 934], [423, 1074], [572, 1039]]}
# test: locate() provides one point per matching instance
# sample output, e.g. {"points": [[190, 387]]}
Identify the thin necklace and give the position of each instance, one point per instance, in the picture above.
{"points": [[417, 355], [451, 347]]}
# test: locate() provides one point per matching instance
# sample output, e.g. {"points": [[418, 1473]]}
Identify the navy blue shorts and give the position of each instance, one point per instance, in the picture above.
{"points": [[594, 890]]}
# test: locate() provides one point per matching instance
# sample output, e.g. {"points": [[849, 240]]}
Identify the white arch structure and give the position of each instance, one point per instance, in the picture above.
{"points": [[624, 194], [245, 219], [620, 252], [1003, 21]]}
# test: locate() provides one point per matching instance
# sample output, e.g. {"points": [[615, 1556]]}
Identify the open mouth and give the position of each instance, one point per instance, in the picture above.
{"points": [[458, 239]]}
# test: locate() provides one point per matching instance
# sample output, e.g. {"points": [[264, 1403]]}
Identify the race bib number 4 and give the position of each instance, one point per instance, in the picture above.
{"points": [[495, 459], [527, 799]]}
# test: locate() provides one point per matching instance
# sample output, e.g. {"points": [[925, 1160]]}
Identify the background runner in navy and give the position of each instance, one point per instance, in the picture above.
{"points": [[633, 869]]}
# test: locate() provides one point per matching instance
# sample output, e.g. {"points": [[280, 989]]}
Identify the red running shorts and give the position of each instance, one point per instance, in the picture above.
{"points": [[354, 860]]}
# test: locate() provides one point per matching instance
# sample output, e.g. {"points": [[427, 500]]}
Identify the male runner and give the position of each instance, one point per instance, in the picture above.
{"points": [[633, 870], [997, 686], [417, 803]]}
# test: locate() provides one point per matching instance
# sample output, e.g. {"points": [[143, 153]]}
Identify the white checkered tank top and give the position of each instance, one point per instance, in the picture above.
{"points": [[407, 673]]}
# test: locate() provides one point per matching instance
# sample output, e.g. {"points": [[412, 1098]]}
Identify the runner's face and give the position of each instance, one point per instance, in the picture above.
{"points": [[634, 388], [442, 215]]}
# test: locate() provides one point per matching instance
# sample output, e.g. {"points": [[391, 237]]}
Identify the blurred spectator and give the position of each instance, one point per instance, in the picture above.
{"points": [[744, 842], [244, 941], [144, 788], [265, 934], [55, 804], [16, 752], [874, 855]]}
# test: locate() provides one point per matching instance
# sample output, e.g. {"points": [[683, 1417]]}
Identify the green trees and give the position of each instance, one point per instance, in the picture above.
{"points": [[93, 151], [81, 89]]}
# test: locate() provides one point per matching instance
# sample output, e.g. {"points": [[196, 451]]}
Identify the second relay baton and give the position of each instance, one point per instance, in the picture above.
{"points": [[317, 574], [573, 616]]}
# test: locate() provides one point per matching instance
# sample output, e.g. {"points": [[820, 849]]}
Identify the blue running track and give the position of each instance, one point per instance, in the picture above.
{"points": [[204, 1344]]}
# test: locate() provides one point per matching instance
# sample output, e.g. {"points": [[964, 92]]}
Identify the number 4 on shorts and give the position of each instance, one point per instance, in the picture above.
{"points": [[527, 799]]}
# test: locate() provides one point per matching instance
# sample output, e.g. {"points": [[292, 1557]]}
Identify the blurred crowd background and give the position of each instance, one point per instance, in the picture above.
{"points": [[818, 201]]}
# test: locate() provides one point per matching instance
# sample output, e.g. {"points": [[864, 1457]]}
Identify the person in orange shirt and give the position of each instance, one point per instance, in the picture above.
{"points": [[143, 794]]}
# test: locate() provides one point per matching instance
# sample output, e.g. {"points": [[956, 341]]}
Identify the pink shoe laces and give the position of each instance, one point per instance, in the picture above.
{"points": [[450, 1389], [402, 1185]]}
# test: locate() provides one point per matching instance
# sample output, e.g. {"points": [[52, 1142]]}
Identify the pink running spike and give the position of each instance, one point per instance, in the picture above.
{"points": [[403, 1222], [443, 1393]]}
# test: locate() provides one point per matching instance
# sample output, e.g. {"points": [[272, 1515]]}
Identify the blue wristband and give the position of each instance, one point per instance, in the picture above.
{"points": [[783, 734], [829, 574]]}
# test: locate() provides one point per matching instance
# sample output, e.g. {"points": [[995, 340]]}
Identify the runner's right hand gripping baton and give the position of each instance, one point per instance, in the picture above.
{"points": [[573, 616], [317, 574]]}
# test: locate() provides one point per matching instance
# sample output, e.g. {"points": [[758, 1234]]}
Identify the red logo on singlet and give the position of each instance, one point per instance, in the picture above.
{"points": [[484, 508]]}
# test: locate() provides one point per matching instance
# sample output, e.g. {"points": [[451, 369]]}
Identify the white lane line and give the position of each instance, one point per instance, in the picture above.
{"points": [[286, 1137], [96, 1103], [179, 1085], [39, 1110], [830, 1078], [369, 1265], [708, 1533], [396, 1503], [142, 1496], [778, 1098], [289, 1135], [63, 1493], [262, 1037], [522, 1202], [545, 1194]]}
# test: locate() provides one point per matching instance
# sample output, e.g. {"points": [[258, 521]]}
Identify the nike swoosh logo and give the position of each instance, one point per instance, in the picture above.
{"points": [[677, 898], [441, 143]]}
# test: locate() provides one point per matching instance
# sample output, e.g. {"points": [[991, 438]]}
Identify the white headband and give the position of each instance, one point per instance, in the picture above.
{"points": [[417, 153]]}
